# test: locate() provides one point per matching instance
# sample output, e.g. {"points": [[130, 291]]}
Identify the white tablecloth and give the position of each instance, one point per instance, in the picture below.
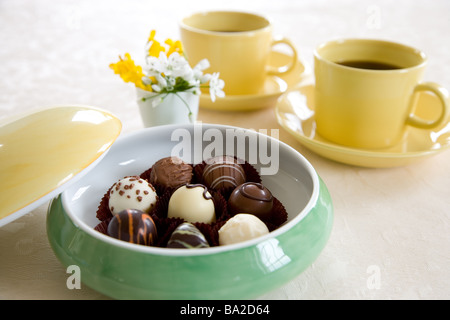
{"points": [[391, 235]]}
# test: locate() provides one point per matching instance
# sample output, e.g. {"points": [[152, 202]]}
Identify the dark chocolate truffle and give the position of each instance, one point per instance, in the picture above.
{"points": [[187, 236], [223, 172], [133, 226], [253, 198]]}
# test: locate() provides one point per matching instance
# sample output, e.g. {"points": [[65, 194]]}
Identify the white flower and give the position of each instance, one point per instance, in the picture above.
{"points": [[177, 66], [156, 66], [216, 87], [160, 84], [174, 74], [198, 71], [170, 82], [202, 65]]}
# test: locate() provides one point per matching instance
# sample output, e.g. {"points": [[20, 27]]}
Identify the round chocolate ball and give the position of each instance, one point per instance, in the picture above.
{"points": [[241, 227], [133, 226], [223, 172], [132, 193], [253, 198], [193, 203], [170, 173], [187, 236]]}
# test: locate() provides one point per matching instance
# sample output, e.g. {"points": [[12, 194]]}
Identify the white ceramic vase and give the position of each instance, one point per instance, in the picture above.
{"points": [[179, 108]]}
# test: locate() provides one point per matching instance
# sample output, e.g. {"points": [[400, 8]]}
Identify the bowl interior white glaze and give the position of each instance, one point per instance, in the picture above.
{"points": [[295, 184]]}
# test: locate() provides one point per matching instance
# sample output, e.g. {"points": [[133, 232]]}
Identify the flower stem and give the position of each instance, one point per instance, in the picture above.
{"points": [[190, 114], [187, 106], [150, 97]]}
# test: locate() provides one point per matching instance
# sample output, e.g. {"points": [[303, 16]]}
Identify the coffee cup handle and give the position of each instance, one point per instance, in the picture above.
{"points": [[442, 94], [288, 67]]}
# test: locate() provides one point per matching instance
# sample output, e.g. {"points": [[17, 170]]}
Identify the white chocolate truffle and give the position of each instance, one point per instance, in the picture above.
{"points": [[193, 203], [132, 193], [241, 227]]}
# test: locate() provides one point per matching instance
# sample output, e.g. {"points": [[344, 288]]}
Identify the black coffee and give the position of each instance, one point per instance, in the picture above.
{"points": [[370, 65]]}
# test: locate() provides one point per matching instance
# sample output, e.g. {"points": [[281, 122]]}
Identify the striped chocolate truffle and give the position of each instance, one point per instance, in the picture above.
{"points": [[223, 172], [187, 236], [133, 226]]}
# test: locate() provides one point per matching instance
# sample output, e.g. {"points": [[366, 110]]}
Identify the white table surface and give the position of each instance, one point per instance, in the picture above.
{"points": [[390, 223]]}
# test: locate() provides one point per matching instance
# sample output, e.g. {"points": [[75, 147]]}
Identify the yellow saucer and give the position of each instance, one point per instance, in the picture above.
{"points": [[295, 113], [42, 151], [273, 88]]}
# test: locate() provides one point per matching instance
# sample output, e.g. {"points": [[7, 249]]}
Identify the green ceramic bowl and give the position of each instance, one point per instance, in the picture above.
{"points": [[241, 271]]}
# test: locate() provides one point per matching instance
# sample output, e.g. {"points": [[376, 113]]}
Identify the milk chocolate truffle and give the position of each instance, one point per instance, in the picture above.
{"points": [[170, 172], [241, 227], [193, 203], [133, 226], [131, 193], [187, 236], [253, 198], [223, 172]]}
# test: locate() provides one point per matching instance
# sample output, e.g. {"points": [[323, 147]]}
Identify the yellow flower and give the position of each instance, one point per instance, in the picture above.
{"points": [[174, 46], [152, 36], [130, 72], [155, 49]]}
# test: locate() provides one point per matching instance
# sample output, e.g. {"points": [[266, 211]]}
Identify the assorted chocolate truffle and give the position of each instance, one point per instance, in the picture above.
{"points": [[223, 172], [253, 198], [131, 193], [187, 236], [240, 228], [133, 226], [193, 203], [171, 205], [170, 173]]}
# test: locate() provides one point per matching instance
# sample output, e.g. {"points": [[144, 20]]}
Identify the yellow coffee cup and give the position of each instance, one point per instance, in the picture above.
{"points": [[236, 44], [365, 92]]}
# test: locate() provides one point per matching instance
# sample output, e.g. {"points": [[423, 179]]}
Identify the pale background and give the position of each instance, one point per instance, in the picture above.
{"points": [[389, 222]]}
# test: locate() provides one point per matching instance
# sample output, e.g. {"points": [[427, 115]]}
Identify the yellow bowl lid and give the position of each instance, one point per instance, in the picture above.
{"points": [[43, 152]]}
